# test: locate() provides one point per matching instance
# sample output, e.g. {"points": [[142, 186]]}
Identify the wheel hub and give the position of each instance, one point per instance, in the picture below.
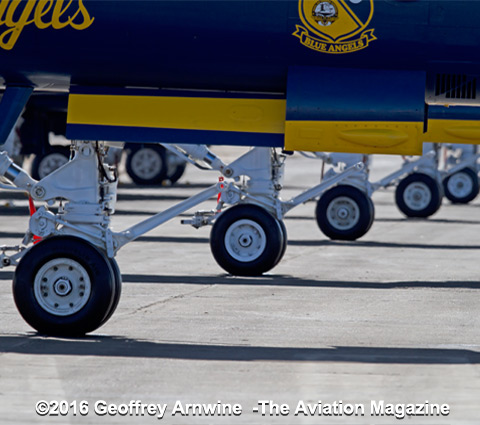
{"points": [[343, 213], [146, 163], [460, 185], [62, 287], [417, 196], [245, 240]]}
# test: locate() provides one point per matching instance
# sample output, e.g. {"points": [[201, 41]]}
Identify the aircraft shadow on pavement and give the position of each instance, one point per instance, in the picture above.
{"points": [[164, 239], [398, 220], [117, 346], [14, 211], [18, 235], [376, 244], [173, 239], [23, 211], [286, 280], [149, 197], [321, 242], [280, 280], [177, 185], [299, 217], [423, 220], [6, 275]]}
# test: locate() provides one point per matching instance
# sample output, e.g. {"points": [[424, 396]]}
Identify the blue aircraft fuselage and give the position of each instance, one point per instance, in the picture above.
{"points": [[245, 45], [347, 75]]}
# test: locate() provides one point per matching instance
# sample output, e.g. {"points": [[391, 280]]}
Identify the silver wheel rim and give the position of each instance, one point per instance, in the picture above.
{"points": [[460, 185], [146, 163], [245, 240], [51, 163], [417, 196], [343, 213], [62, 287]]}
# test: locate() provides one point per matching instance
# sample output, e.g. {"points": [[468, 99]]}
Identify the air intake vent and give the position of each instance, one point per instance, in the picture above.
{"points": [[455, 86]]}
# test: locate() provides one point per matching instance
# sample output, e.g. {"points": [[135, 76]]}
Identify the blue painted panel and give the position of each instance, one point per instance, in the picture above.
{"points": [[339, 94], [120, 91], [156, 135], [229, 44], [454, 112]]}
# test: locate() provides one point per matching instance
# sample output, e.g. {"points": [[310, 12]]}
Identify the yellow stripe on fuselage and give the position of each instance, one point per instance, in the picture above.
{"points": [[245, 115], [453, 131], [194, 113], [368, 137]]}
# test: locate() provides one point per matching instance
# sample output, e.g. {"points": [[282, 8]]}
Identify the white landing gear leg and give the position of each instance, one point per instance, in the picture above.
{"points": [[419, 192], [250, 238], [69, 283]]}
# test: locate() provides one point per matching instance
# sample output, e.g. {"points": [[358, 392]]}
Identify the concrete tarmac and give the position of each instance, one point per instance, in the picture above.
{"points": [[392, 317]]}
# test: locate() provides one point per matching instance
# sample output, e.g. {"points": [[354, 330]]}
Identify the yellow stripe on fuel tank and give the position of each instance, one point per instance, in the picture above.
{"points": [[193, 113], [453, 131], [399, 138]]}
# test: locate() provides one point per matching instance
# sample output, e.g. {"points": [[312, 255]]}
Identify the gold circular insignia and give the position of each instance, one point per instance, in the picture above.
{"points": [[325, 12]]}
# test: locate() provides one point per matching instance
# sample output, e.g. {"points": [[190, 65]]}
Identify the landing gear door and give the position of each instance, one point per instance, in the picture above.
{"points": [[356, 111]]}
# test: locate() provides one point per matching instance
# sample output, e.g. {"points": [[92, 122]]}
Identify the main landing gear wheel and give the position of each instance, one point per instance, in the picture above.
{"points": [[344, 213], [65, 286], [418, 195], [146, 164], [246, 240], [461, 187], [46, 163]]}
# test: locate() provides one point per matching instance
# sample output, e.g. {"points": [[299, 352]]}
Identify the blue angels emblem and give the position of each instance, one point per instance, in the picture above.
{"points": [[335, 26]]}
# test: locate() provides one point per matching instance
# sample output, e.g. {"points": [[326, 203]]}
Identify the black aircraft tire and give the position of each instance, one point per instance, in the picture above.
{"points": [[64, 286], [372, 209], [46, 163], [246, 240], [461, 187], [418, 195], [117, 290], [146, 164], [284, 242], [344, 213]]}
